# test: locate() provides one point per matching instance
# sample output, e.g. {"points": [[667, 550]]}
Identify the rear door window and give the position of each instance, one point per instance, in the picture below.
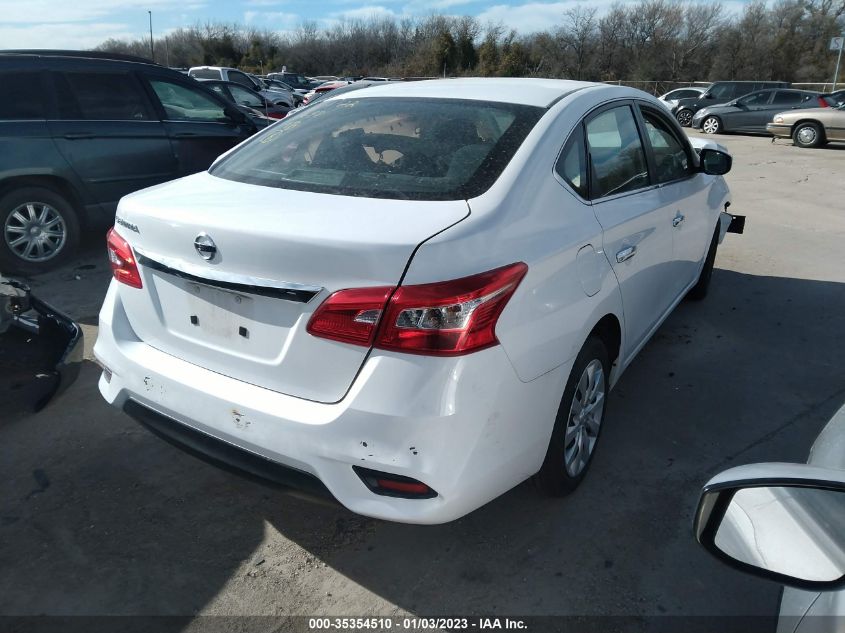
{"points": [[617, 157], [788, 98], [105, 96], [186, 103], [722, 92], [22, 96]]}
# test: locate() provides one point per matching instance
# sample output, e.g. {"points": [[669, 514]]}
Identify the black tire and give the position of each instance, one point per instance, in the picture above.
{"points": [[702, 286], [684, 117], [13, 207], [716, 123], [554, 479], [808, 134]]}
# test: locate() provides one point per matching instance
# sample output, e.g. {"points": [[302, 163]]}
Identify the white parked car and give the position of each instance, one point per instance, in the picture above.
{"points": [[671, 98], [415, 296]]}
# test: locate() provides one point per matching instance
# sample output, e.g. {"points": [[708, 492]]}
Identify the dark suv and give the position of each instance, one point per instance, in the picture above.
{"points": [[79, 130], [720, 92]]}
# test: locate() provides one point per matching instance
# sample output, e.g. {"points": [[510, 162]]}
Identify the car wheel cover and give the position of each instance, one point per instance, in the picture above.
{"points": [[710, 125], [807, 135], [35, 231], [585, 416]]}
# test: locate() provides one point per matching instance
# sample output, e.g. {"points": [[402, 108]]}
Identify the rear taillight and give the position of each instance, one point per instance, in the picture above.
{"points": [[277, 115], [122, 260], [441, 319], [823, 103], [350, 316]]}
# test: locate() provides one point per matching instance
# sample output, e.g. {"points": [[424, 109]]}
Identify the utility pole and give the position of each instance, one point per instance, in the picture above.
{"points": [[152, 51]]}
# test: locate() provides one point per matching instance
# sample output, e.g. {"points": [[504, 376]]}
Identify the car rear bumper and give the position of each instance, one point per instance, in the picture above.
{"points": [[465, 426], [779, 130]]}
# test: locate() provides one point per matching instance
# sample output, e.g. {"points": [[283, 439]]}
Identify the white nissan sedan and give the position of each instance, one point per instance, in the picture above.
{"points": [[413, 297]]}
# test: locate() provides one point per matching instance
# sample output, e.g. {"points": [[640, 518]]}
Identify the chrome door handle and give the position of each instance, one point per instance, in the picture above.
{"points": [[677, 220], [626, 254]]}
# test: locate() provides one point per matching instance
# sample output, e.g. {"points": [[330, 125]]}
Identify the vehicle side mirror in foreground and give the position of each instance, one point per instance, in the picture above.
{"points": [[784, 522], [714, 162]]}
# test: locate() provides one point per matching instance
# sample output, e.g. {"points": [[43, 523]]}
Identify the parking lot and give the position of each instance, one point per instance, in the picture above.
{"points": [[98, 516]]}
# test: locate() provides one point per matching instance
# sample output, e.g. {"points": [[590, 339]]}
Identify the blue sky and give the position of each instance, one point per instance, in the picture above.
{"points": [[86, 23]]}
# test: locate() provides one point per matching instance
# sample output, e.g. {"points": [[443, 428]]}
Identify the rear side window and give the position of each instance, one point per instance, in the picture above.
{"points": [[101, 97], [572, 164], [420, 149], [23, 96], [616, 153], [184, 103]]}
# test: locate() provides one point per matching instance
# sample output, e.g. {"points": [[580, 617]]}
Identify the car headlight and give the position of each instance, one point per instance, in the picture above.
{"points": [[778, 119]]}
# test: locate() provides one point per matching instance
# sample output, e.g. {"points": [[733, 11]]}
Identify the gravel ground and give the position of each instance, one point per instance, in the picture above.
{"points": [[97, 516]]}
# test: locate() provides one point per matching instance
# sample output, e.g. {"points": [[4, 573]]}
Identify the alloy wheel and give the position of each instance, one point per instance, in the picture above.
{"points": [[684, 117], [35, 231], [585, 416], [710, 125]]}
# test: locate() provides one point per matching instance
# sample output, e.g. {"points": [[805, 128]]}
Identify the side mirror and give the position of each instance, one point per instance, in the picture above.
{"points": [[783, 522], [715, 162], [236, 116]]}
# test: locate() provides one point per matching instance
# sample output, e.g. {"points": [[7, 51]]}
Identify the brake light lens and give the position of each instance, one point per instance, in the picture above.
{"points": [[823, 103], [122, 260], [447, 318], [350, 316]]}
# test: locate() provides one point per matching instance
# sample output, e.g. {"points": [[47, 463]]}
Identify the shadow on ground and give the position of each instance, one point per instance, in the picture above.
{"points": [[100, 517]]}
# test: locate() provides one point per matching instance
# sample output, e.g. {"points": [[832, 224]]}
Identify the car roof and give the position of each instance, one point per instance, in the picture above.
{"points": [[522, 91], [78, 54]]}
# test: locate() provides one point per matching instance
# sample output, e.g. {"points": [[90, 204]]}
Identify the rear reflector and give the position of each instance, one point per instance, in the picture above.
{"points": [[446, 318], [122, 260], [390, 485]]}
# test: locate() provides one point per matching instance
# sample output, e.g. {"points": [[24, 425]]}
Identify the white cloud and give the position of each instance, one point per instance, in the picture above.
{"points": [[264, 3], [62, 35], [366, 12], [274, 19], [535, 16]]}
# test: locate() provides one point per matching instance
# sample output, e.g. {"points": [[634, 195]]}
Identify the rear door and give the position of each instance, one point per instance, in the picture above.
{"points": [[107, 130], [196, 122], [636, 221]]}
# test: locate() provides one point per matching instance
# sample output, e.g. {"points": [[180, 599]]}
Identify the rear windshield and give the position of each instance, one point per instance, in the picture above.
{"points": [[206, 73], [419, 149]]}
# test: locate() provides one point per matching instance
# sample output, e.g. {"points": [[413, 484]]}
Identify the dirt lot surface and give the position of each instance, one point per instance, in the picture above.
{"points": [[97, 516]]}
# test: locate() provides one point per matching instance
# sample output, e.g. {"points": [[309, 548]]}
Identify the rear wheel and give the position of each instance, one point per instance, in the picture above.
{"points": [[40, 230], [808, 135], [711, 125], [684, 117], [578, 423]]}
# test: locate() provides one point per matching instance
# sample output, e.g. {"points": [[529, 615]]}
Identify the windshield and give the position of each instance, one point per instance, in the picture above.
{"points": [[420, 149]]}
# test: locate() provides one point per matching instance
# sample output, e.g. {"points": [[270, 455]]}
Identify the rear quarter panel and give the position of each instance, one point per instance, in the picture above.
{"points": [[529, 216]]}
